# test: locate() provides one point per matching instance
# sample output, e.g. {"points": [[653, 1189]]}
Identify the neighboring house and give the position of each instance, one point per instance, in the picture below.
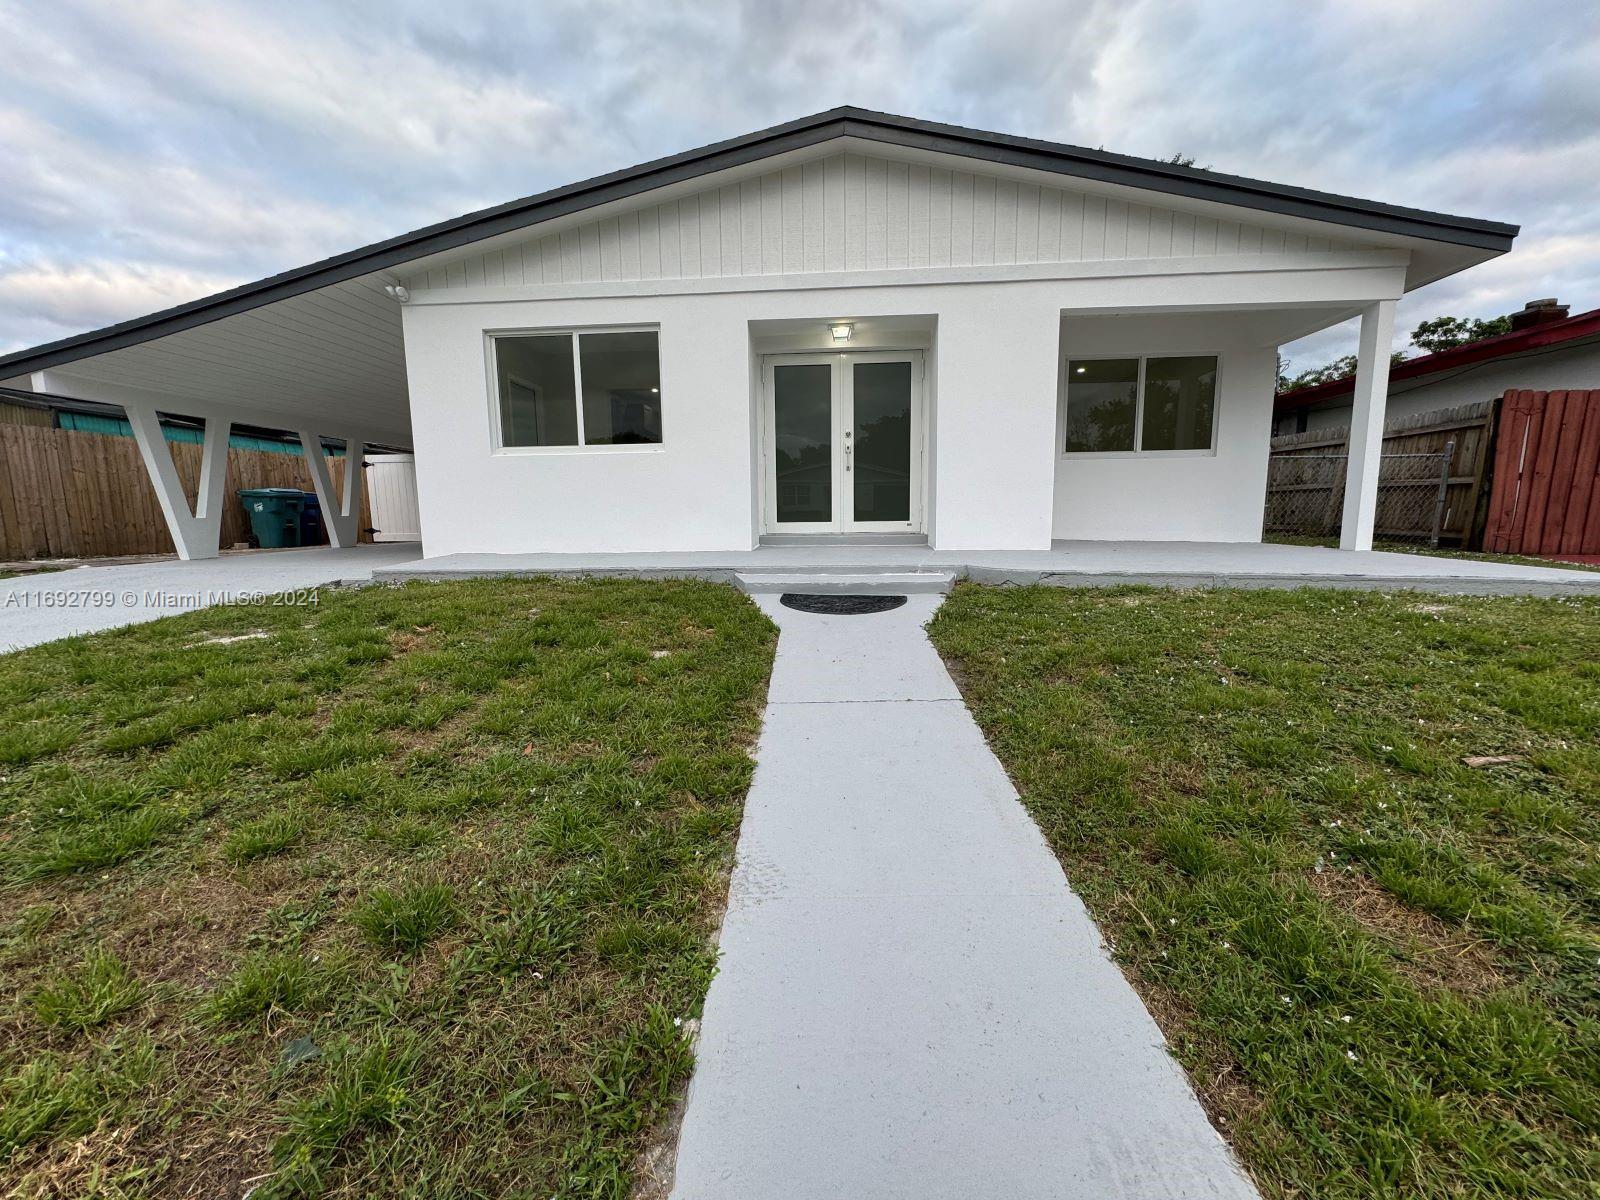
{"points": [[851, 325], [1546, 350]]}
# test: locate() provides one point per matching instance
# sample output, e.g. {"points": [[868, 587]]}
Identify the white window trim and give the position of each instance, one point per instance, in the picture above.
{"points": [[497, 445], [1142, 356]]}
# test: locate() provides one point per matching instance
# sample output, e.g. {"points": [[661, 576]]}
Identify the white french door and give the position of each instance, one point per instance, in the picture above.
{"points": [[843, 442]]}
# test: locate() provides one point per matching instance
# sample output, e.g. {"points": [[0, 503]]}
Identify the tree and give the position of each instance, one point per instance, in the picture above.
{"points": [[1339, 368], [1441, 333], [1432, 336]]}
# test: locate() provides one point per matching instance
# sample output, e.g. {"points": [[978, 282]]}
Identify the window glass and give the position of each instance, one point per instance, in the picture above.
{"points": [[1180, 397], [621, 388], [1102, 398], [881, 399], [802, 407], [537, 402]]}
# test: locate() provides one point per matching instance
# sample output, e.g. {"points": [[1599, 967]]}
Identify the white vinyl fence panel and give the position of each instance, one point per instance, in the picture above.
{"points": [[392, 482]]}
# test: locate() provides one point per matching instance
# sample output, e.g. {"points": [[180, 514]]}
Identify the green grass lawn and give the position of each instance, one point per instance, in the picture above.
{"points": [[1380, 965], [407, 894]]}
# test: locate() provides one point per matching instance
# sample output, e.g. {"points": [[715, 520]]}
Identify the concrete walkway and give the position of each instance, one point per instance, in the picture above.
{"points": [[57, 604], [911, 1002]]}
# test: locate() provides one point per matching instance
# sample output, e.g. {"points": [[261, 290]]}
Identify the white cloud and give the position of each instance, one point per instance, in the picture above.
{"points": [[53, 300], [107, 291], [233, 139]]}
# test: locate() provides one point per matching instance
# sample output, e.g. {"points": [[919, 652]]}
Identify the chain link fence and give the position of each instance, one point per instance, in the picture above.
{"points": [[1305, 495]]}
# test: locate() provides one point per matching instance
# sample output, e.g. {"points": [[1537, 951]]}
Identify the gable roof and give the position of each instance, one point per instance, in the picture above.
{"points": [[1505, 345], [845, 122]]}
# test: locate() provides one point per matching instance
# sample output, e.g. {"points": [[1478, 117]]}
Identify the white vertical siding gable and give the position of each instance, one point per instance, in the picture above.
{"points": [[855, 212]]}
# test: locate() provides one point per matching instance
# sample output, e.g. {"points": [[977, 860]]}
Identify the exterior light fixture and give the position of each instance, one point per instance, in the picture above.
{"points": [[398, 292], [1083, 370], [842, 331]]}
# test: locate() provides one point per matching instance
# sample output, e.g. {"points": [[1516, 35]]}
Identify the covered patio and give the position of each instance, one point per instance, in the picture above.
{"points": [[909, 568]]}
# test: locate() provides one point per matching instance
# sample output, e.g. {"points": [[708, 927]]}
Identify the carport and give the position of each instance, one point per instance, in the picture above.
{"points": [[323, 361]]}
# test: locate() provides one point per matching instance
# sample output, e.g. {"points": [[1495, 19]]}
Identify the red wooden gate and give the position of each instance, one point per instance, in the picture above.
{"points": [[1546, 493]]}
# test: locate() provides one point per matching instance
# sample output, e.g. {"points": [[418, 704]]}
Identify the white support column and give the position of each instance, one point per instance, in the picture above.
{"points": [[343, 520], [1366, 426], [196, 534]]}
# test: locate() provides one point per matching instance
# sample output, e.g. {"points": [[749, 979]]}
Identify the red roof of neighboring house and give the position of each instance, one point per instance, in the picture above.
{"points": [[1505, 345]]}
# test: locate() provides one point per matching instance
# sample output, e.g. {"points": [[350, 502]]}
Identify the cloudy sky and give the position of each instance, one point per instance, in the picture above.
{"points": [[152, 152]]}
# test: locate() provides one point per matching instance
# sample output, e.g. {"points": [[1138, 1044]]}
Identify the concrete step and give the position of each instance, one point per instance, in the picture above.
{"points": [[814, 583]]}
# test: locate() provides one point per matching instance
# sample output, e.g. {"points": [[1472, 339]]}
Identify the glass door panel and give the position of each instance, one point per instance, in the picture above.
{"points": [[803, 437], [878, 442]]}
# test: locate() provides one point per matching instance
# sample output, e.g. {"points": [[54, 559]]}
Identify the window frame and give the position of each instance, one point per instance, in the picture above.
{"points": [[497, 442], [1142, 356]]}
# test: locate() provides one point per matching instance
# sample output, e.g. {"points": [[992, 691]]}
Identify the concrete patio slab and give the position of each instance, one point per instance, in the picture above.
{"points": [[912, 1002], [1065, 564], [44, 607]]}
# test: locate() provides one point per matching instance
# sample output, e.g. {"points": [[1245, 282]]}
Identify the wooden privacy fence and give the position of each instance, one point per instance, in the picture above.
{"points": [[1546, 493], [1431, 479], [66, 494]]}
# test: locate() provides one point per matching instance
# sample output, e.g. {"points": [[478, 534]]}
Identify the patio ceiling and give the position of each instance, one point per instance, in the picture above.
{"points": [[333, 356]]}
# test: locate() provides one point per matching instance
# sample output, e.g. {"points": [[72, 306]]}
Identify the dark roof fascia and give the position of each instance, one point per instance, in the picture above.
{"points": [[1189, 182], [1003, 149], [1504, 345]]}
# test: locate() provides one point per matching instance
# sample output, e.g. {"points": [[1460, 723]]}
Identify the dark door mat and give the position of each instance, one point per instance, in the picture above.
{"points": [[833, 605]]}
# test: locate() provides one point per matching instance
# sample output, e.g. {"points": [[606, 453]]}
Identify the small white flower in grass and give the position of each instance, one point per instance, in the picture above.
{"points": [[1225, 946], [1352, 1056], [1345, 1018], [1172, 920], [538, 974], [677, 1022]]}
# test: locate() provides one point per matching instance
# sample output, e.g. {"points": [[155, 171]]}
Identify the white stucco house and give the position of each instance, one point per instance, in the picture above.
{"points": [[853, 325], [1547, 349]]}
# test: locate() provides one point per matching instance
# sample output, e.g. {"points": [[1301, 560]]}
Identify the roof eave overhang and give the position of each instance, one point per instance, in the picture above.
{"points": [[1493, 237]]}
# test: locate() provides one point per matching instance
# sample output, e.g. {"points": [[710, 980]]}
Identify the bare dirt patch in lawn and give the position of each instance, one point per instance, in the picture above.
{"points": [[1431, 951]]}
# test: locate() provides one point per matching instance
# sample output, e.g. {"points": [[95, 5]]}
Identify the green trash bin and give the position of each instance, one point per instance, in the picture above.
{"points": [[274, 515]]}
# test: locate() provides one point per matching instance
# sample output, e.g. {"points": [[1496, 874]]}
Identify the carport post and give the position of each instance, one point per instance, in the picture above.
{"points": [[1366, 426], [195, 534], [343, 521]]}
